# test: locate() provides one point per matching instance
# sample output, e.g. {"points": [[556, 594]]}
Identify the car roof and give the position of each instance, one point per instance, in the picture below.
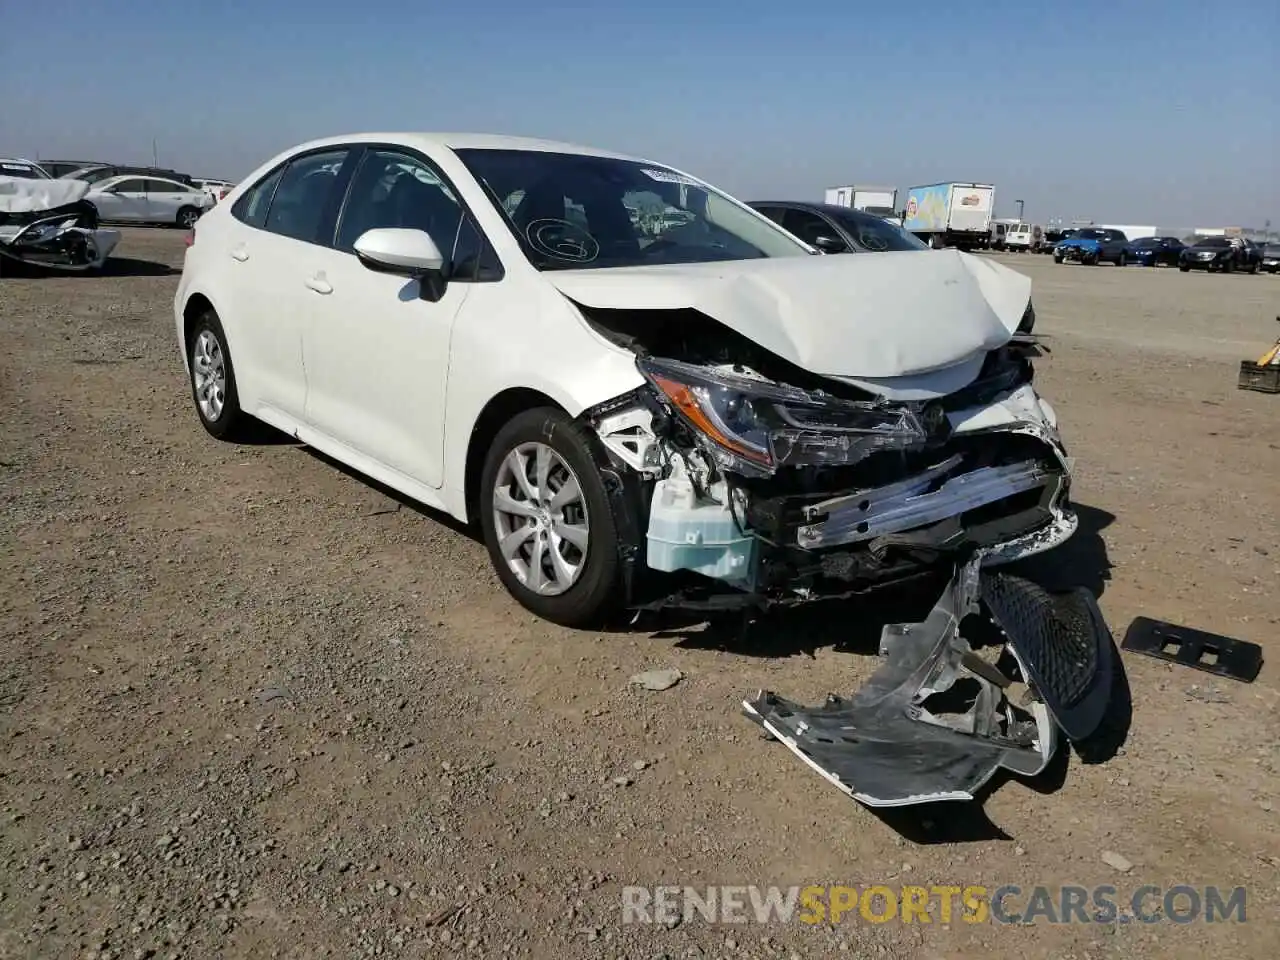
{"points": [[107, 181], [461, 141], [833, 209]]}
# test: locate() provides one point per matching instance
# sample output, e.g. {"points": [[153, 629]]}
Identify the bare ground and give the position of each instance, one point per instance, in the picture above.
{"points": [[254, 706]]}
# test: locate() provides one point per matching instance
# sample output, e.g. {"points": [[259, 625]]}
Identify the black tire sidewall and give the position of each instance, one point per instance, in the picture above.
{"points": [[597, 591], [182, 215], [228, 420]]}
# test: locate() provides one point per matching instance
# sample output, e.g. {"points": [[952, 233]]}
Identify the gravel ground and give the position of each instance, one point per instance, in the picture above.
{"points": [[252, 705]]}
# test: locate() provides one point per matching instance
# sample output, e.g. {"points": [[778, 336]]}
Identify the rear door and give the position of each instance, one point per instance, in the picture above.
{"points": [[264, 255], [164, 197]]}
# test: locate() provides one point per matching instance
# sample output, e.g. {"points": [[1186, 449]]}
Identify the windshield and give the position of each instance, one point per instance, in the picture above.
{"points": [[1089, 234], [1144, 242], [22, 171], [1213, 242], [572, 211], [874, 234], [1272, 249]]}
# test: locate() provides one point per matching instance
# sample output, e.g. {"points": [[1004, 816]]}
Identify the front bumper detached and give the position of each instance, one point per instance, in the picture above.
{"points": [[937, 720]]}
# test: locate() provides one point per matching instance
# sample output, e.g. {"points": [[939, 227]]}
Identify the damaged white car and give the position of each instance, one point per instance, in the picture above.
{"points": [[615, 368], [49, 223]]}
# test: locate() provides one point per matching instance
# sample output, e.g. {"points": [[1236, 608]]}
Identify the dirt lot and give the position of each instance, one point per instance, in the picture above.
{"points": [[253, 706]]}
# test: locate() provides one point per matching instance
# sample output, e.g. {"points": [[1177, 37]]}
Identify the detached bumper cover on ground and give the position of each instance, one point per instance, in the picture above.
{"points": [[936, 720]]}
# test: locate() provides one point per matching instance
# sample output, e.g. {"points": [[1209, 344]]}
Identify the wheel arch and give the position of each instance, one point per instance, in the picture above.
{"points": [[197, 304], [494, 415]]}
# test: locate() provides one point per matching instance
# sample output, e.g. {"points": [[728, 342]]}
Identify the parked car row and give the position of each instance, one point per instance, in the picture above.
{"points": [[1095, 245], [130, 193]]}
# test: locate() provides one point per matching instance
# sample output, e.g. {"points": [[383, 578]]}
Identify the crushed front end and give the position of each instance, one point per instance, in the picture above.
{"points": [[779, 486], [51, 230]]}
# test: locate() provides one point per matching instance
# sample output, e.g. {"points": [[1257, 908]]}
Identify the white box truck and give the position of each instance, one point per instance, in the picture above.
{"points": [[877, 200], [951, 214]]}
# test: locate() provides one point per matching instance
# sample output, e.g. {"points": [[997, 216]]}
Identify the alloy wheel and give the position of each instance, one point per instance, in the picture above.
{"points": [[209, 375], [540, 517]]}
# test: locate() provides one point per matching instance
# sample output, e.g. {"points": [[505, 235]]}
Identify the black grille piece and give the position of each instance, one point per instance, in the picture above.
{"points": [[1064, 643]]}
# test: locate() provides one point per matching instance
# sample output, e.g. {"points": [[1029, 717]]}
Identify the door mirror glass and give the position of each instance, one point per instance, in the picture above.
{"points": [[399, 250], [829, 244]]}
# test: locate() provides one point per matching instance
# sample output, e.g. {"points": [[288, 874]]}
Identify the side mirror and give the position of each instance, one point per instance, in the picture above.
{"points": [[406, 253], [829, 244]]}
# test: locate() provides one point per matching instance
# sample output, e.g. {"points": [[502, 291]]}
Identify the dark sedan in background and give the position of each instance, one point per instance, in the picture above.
{"points": [[1154, 251], [1270, 258], [835, 229], [1223, 254]]}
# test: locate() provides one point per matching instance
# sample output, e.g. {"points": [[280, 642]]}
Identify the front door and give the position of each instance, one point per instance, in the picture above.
{"points": [[126, 200], [377, 354]]}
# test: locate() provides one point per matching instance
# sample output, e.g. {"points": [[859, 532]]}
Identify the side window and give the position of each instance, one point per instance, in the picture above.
{"points": [[251, 208], [131, 186], [304, 191], [807, 226], [162, 186], [392, 189], [773, 213]]}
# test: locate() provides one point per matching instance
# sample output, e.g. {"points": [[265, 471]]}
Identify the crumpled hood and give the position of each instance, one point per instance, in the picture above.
{"points": [[18, 195], [862, 315], [1084, 243]]}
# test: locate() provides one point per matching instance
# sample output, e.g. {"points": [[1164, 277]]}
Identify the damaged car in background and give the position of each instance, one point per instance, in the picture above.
{"points": [[48, 223], [620, 372]]}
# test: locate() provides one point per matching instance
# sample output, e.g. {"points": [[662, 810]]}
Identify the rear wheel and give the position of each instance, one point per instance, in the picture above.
{"points": [[1185, 269], [213, 380], [547, 520], [187, 217], [1124, 259]]}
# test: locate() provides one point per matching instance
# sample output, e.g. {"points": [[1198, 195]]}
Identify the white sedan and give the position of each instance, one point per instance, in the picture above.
{"points": [[149, 200], [481, 324], [478, 323]]}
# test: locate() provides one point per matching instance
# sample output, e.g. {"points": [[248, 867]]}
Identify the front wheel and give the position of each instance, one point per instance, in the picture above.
{"points": [[547, 520], [1124, 260], [1185, 269]]}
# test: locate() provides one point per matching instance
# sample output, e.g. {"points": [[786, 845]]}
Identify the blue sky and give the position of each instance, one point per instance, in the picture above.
{"points": [[1123, 111]]}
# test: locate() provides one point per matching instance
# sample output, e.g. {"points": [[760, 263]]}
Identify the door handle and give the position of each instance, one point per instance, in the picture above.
{"points": [[240, 254], [319, 285]]}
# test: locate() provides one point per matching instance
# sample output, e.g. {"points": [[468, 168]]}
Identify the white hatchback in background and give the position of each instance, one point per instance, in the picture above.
{"points": [[1024, 236], [131, 199], [216, 189]]}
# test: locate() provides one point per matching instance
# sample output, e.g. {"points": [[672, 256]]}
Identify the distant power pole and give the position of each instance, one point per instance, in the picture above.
{"points": [[1019, 203], [155, 155]]}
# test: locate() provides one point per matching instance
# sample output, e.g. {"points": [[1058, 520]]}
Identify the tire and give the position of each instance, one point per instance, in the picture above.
{"points": [[187, 217], [1057, 258], [1124, 259], [934, 242], [1185, 269], [1229, 267], [207, 352], [594, 591]]}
